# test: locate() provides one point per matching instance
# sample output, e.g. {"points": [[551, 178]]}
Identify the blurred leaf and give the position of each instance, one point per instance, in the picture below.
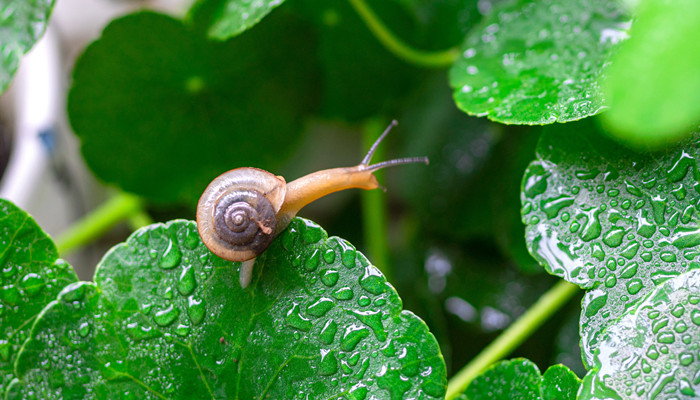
{"points": [[610, 220], [520, 378], [231, 17], [31, 275], [22, 23], [472, 185], [161, 111], [653, 87], [360, 78], [538, 62], [168, 319], [655, 346]]}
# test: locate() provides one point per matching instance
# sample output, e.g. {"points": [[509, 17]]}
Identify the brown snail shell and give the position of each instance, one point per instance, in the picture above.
{"points": [[236, 215]]}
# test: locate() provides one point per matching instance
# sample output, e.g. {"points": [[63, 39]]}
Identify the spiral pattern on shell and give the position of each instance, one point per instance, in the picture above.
{"points": [[245, 219]]}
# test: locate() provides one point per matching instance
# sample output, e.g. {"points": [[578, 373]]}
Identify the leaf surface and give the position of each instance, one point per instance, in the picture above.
{"points": [[655, 346], [21, 25], [31, 275], [161, 111], [229, 18], [538, 62], [610, 220], [168, 319]]}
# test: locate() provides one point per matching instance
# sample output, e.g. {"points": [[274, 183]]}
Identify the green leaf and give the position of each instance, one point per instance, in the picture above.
{"points": [[22, 23], [653, 86], [231, 17], [31, 275], [538, 62], [520, 378], [161, 111], [610, 220], [361, 79], [168, 319], [655, 346]]}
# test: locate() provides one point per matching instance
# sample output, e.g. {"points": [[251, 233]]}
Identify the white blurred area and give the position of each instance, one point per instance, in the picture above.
{"points": [[45, 174]]}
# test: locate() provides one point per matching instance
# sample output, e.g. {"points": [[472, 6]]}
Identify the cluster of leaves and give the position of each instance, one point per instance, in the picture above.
{"points": [[183, 99]]}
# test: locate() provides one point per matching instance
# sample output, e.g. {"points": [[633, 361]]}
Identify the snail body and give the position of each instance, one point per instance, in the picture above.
{"points": [[242, 210]]}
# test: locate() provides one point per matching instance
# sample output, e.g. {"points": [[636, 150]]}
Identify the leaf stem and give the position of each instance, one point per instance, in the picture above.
{"points": [[436, 59], [118, 208], [512, 337], [374, 206]]}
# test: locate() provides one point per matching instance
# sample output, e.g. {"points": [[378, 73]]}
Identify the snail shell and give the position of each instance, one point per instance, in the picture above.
{"points": [[236, 215]]}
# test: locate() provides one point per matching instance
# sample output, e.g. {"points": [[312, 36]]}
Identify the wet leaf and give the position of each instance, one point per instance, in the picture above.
{"points": [[520, 378], [21, 25], [538, 62], [31, 275], [231, 17], [611, 220], [653, 86], [168, 318], [654, 346], [152, 93]]}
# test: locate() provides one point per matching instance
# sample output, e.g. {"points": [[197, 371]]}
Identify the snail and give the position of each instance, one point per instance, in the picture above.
{"points": [[242, 210]]}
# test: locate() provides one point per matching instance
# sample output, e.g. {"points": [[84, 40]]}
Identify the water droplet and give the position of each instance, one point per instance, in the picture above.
{"points": [[344, 293], [686, 359], [320, 307], [347, 252], [680, 327], [171, 257], [629, 271], [182, 330], [587, 175], [373, 319], [296, 320], [352, 336], [32, 283], [141, 330], [166, 316], [552, 206], [646, 256], [610, 281], [680, 167], [592, 228], [666, 337], [186, 283], [631, 250], [634, 286], [195, 309], [312, 262], [535, 181], [328, 364], [329, 256], [330, 277], [594, 301], [667, 256], [632, 189], [328, 332], [652, 353], [313, 233], [84, 329], [191, 239], [597, 252], [614, 236], [373, 281], [363, 301], [695, 317], [658, 205]]}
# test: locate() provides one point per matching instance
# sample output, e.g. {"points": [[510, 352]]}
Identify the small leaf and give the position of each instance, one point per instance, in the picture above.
{"points": [[21, 25], [655, 345], [653, 86], [611, 220], [167, 318], [31, 275], [520, 378], [538, 62], [161, 111], [232, 17]]}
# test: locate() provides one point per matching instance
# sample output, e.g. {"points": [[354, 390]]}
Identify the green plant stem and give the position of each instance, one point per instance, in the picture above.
{"points": [[438, 59], [512, 337], [118, 208], [374, 206]]}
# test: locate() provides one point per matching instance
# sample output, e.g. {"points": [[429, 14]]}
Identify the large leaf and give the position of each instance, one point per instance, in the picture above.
{"points": [[538, 62], [610, 220], [31, 275], [654, 85], [655, 347], [168, 319], [21, 24], [160, 110], [228, 18], [521, 379]]}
